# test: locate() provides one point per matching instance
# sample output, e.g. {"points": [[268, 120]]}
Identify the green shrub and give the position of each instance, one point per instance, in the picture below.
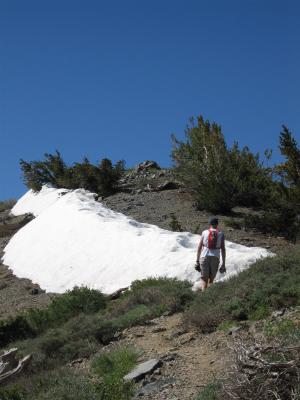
{"points": [[12, 392], [269, 284], [212, 391], [174, 224], [63, 383], [15, 328], [102, 178], [60, 310], [279, 220], [284, 327], [234, 223], [73, 302], [112, 367], [55, 347], [160, 294]]}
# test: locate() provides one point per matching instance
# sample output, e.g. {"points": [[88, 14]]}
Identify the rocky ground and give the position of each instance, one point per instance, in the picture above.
{"points": [[16, 294], [154, 196], [189, 360], [183, 360]]}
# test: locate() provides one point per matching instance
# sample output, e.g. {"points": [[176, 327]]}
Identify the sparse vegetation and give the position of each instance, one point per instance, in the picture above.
{"points": [[269, 284], [210, 392], [85, 322], [111, 368], [60, 310], [175, 225], [284, 328]]}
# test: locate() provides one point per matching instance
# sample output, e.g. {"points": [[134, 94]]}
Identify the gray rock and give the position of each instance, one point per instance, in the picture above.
{"points": [[233, 330], [146, 165], [278, 313], [142, 369], [169, 357], [168, 185], [153, 387]]}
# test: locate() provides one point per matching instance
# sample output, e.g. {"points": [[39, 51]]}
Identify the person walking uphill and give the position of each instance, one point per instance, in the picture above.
{"points": [[212, 243]]}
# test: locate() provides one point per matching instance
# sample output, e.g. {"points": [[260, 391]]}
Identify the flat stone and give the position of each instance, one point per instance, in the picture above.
{"points": [[159, 329], [142, 369], [233, 330]]}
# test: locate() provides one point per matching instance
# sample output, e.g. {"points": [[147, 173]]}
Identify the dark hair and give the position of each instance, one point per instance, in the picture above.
{"points": [[213, 221]]}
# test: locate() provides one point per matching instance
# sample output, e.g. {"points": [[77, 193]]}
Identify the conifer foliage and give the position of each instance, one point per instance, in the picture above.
{"points": [[220, 177], [101, 179]]}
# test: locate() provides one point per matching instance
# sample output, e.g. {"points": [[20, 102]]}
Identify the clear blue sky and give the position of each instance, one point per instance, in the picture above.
{"points": [[116, 78]]}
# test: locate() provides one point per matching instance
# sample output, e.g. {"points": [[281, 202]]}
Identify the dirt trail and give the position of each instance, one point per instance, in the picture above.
{"points": [[190, 360]]}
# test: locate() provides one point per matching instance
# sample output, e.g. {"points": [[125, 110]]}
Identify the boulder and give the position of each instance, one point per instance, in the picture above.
{"points": [[146, 165], [168, 185]]}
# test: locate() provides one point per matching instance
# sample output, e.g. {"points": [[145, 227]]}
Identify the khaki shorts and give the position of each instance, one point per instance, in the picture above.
{"points": [[209, 267]]}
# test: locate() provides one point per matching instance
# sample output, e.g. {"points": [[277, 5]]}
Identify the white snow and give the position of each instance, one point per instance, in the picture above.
{"points": [[75, 240]]}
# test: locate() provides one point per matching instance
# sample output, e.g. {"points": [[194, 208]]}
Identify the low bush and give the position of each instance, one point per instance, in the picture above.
{"points": [[283, 328], [174, 224], [210, 392], [77, 323], [111, 368], [66, 384], [63, 383], [15, 328], [281, 221], [61, 309], [13, 392], [269, 284], [234, 223]]}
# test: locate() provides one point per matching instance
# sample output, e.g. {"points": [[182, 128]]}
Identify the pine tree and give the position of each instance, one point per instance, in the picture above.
{"points": [[290, 170], [219, 177]]}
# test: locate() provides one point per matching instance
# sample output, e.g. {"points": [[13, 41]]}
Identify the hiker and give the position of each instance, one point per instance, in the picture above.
{"points": [[212, 242]]}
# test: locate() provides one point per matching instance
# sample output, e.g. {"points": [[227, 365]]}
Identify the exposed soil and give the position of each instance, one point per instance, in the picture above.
{"points": [[189, 360], [198, 359]]}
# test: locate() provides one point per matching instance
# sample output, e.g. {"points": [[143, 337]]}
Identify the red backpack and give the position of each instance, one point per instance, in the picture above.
{"points": [[213, 239]]}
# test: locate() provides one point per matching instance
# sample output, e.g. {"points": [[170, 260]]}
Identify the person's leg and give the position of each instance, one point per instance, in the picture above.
{"points": [[204, 284], [204, 266], [213, 269]]}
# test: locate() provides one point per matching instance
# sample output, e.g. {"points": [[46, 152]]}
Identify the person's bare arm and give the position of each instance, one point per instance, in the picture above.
{"points": [[223, 252], [199, 249]]}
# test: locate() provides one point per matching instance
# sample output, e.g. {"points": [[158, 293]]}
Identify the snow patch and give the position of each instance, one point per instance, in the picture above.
{"points": [[75, 240]]}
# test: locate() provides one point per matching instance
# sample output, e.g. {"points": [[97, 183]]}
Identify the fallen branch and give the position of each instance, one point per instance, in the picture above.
{"points": [[10, 366]]}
